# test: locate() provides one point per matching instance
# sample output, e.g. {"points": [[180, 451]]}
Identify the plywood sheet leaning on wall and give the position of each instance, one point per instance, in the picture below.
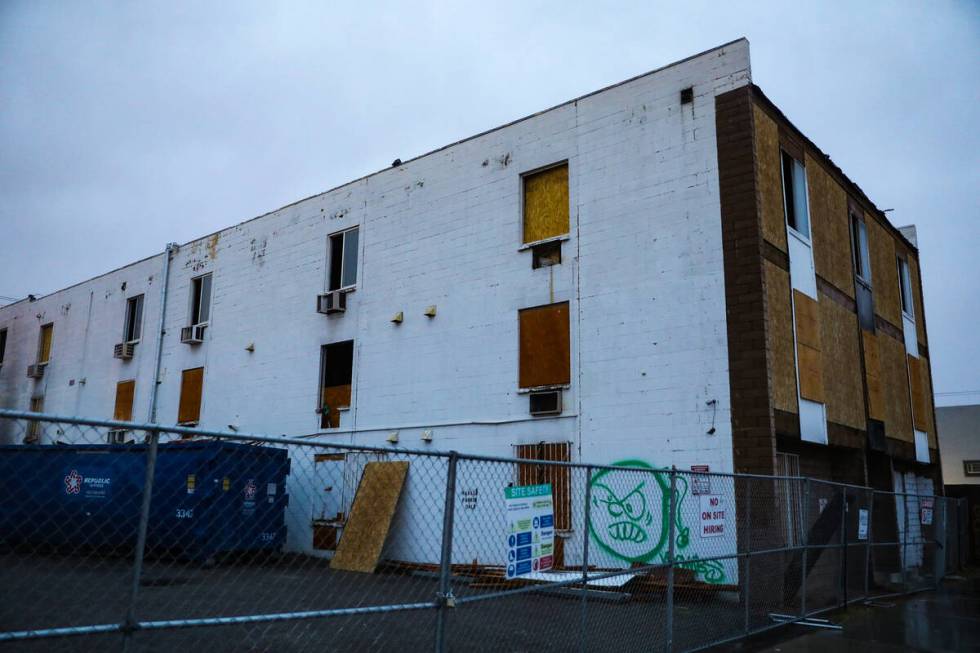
{"points": [[769, 180], [371, 515], [842, 365], [779, 335], [808, 347], [872, 375], [895, 385], [920, 403]]}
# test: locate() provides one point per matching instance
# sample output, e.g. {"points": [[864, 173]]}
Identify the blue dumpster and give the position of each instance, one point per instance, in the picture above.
{"points": [[209, 497]]}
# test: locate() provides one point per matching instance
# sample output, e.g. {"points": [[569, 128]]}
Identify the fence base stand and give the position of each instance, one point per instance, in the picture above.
{"points": [[806, 621]]}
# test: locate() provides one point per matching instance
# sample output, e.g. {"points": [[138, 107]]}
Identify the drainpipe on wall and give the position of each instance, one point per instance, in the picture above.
{"points": [[169, 251]]}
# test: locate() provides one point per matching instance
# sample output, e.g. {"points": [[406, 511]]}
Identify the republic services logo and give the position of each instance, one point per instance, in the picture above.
{"points": [[73, 482]]}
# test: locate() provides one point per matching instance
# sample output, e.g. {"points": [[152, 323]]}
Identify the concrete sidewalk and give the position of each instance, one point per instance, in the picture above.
{"points": [[946, 620]]}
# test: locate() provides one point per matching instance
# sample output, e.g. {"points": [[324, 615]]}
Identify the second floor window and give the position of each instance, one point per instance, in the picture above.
{"points": [[794, 195], [201, 299], [862, 259], [44, 346], [905, 286], [343, 260], [134, 319]]}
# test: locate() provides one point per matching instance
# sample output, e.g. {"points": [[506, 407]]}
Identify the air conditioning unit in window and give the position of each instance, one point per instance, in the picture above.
{"points": [[35, 371], [334, 301], [545, 402], [192, 335], [117, 436], [123, 350]]}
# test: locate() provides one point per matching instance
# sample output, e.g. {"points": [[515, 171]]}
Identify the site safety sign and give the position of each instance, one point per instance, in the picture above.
{"points": [[530, 529]]}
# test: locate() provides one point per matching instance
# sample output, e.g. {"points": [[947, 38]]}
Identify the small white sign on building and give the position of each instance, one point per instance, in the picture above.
{"points": [[862, 524], [712, 515]]}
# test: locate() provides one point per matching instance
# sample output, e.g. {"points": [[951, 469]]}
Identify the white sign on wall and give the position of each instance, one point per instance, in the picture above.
{"points": [[862, 524], [712, 515]]}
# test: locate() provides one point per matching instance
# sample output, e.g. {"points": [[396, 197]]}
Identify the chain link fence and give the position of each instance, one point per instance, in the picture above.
{"points": [[149, 538]]}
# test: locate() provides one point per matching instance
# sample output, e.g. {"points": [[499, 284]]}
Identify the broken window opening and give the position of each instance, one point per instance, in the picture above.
{"points": [[794, 195], [336, 373], [546, 254], [201, 300], [343, 260], [134, 319]]}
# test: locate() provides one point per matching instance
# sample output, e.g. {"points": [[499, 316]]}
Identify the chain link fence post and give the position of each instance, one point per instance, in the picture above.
{"points": [[748, 549], [843, 545], [129, 625], [868, 560], [583, 638], [805, 536], [672, 518], [445, 597]]}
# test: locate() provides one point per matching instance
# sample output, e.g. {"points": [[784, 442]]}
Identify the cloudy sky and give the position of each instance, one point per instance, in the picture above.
{"points": [[125, 126]]}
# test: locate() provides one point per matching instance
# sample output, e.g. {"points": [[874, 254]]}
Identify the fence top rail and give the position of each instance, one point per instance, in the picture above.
{"points": [[307, 440]]}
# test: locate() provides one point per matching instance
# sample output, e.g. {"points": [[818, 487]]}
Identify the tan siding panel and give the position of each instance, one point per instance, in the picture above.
{"points": [[544, 345], [807, 320], [780, 338], [769, 179], [124, 401], [829, 228], [191, 386], [884, 273], [872, 373], [546, 204], [895, 387], [842, 365]]}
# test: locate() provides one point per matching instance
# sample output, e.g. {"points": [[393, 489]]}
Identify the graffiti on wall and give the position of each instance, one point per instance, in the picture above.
{"points": [[630, 518]]}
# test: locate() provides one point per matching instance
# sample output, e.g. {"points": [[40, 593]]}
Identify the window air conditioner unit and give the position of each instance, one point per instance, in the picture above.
{"points": [[116, 436], [192, 335], [35, 371], [123, 350], [546, 402], [334, 301]]}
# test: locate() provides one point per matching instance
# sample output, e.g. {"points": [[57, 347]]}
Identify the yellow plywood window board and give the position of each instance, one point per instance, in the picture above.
{"points": [[44, 351], [544, 346], [920, 403], [872, 375], [370, 518], [334, 398], [808, 349], [124, 401], [546, 204], [191, 386]]}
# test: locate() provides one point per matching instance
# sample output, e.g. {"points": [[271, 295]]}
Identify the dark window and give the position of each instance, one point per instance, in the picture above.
{"points": [[343, 259], [546, 254], [3, 344], [336, 372], [862, 260], [134, 319], [794, 195], [201, 299]]}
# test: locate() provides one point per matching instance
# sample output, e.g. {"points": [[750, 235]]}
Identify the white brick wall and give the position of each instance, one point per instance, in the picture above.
{"points": [[642, 270]]}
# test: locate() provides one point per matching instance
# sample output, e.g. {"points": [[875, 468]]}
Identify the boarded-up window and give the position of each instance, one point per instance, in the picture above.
{"points": [[544, 344], [808, 349], [34, 428], [546, 204], [336, 372], [44, 346], [559, 477], [920, 400], [872, 375], [191, 386], [124, 401]]}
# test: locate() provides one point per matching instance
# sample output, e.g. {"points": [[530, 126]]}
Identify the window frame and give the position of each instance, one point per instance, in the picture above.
{"points": [[794, 230], [196, 303], [139, 300], [860, 250], [905, 288], [342, 234], [321, 386]]}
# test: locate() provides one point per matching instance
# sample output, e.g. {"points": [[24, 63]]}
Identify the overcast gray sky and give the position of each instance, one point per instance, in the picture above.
{"points": [[125, 126]]}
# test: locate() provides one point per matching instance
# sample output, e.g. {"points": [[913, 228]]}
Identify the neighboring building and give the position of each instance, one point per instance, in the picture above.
{"points": [[960, 428], [664, 270]]}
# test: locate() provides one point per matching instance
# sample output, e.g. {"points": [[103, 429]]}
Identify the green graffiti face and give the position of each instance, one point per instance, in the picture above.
{"points": [[629, 512], [630, 518]]}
